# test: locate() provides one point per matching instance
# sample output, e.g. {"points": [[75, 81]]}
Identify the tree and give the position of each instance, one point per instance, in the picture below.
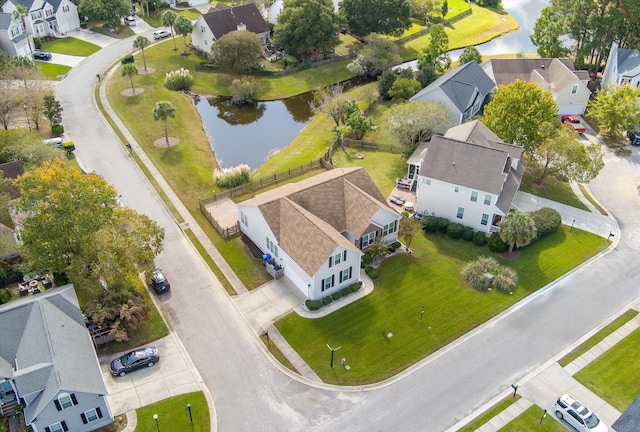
{"points": [[110, 11], [162, 111], [26, 146], [141, 43], [236, 51], [389, 77], [305, 26], [403, 88], [414, 122], [517, 229], [517, 113], [8, 98], [120, 309], [377, 55], [426, 10], [547, 32], [470, 54], [407, 230], [168, 20], [616, 109], [145, 8], [129, 70], [426, 75], [183, 26], [445, 8], [52, 110], [378, 249], [390, 17], [19, 14], [243, 89], [561, 154], [358, 123], [435, 54]]}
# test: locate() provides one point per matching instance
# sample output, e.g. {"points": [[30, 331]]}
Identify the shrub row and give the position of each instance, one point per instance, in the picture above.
{"points": [[393, 246], [371, 272], [317, 304], [127, 59], [432, 224]]}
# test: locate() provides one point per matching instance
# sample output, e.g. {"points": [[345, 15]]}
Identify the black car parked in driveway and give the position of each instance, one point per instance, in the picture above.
{"points": [[159, 282], [134, 360], [41, 55]]}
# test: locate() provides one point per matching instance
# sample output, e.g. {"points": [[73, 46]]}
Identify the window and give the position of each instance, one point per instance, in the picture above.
{"points": [[474, 196], [574, 89], [487, 199], [345, 274], [460, 213], [390, 228], [456, 189], [244, 219], [272, 247], [65, 400], [48, 13], [65, 8], [327, 283], [426, 181], [15, 31], [57, 427], [336, 259], [91, 415], [202, 29], [368, 239], [485, 219]]}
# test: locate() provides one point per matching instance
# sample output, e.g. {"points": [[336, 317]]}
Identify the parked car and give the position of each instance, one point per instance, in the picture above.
{"points": [[134, 360], [159, 282], [41, 55], [574, 122], [577, 415], [161, 34], [634, 137], [130, 21]]}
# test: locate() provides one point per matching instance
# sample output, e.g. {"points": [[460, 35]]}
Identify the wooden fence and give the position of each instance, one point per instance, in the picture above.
{"points": [[392, 148], [426, 31]]}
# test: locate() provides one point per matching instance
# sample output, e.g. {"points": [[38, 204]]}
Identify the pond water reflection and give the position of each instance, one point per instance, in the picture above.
{"points": [[252, 133]]}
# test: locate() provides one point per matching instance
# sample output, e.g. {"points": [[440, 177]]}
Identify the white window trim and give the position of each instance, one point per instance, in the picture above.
{"points": [[94, 414]]}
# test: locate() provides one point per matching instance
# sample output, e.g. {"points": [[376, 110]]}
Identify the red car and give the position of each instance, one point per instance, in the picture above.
{"points": [[574, 122]]}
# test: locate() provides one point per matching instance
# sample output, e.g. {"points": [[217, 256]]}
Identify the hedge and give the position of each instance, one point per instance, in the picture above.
{"points": [[371, 272], [546, 220], [356, 286], [479, 238], [336, 295], [313, 304], [443, 224], [127, 59], [467, 234], [346, 291], [429, 224], [496, 244], [393, 246], [455, 230], [366, 258], [326, 300]]}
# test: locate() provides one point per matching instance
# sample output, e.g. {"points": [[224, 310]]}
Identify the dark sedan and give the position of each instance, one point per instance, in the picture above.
{"points": [[42, 55], [142, 357], [159, 282]]}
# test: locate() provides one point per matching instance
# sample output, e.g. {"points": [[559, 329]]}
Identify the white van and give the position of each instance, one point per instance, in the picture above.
{"points": [[130, 21], [53, 142]]}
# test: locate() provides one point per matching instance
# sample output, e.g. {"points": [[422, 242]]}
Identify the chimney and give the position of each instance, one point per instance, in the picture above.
{"points": [[242, 27]]}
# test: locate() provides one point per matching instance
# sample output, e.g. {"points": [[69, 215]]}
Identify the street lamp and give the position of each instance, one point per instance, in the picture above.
{"points": [[26, 113], [611, 234], [333, 350], [155, 417], [421, 313], [266, 334], [190, 416]]}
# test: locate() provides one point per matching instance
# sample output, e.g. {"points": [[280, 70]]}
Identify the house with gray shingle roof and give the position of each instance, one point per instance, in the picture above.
{"points": [[222, 20], [48, 363], [13, 39], [623, 67], [47, 17], [569, 86], [463, 91], [316, 229], [630, 419], [469, 176]]}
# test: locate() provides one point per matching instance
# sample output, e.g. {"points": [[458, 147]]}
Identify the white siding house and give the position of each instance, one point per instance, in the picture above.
{"points": [[13, 40], [47, 18], [623, 67], [314, 230]]}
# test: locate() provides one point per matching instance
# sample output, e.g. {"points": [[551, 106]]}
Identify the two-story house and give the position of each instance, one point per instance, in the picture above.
{"points": [[47, 17], [316, 229], [47, 363], [569, 86], [13, 39], [623, 67], [463, 91], [469, 176]]}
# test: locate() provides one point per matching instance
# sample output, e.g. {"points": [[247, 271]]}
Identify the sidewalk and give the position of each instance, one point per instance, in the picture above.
{"points": [[545, 387]]}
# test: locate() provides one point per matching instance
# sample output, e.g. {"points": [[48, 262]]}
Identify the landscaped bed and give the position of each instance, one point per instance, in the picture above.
{"points": [[429, 276]]}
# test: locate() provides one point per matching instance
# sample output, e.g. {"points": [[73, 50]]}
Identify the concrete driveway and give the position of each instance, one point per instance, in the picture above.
{"points": [[171, 376]]}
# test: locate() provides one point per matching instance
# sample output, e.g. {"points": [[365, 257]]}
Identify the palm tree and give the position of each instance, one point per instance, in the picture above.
{"points": [[168, 19], [141, 43], [183, 26], [130, 70], [518, 229], [145, 8], [162, 111], [19, 15]]}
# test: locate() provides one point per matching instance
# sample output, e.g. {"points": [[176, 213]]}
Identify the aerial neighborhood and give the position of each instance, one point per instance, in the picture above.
{"points": [[319, 215]]}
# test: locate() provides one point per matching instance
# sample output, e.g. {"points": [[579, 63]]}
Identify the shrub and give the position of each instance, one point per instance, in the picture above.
{"points": [[443, 224], [37, 43], [429, 224], [5, 296], [467, 234], [476, 275], [180, 79], [289, 61], [356, 286], [546, 220], [57, 129], [496, 244], [345, 291], [313, 304], [232, 177], [327, 300], [367, 259], [127, 59], [455, 230], [68, 146], [336, 295], [385, 81], [243, 89], [479, 238], [83, 25], [395, 245], [505, 280], [405, 214], [485, 273], [371, 272]]}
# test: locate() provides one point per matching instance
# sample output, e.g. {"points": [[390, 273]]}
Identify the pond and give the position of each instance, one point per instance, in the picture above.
{"points": [[252, 133]]}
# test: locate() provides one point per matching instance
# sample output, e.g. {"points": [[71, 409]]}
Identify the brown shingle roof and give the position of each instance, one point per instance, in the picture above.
{"points": [[226, 20], [506, 71]]}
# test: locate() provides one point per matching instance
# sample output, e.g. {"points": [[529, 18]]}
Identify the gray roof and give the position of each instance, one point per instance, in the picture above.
{"points": [[25, 3], [511, 186], [628, 61], [45, 348], [477, 133], [505, 71], [5, 20], [630, 419], [460, 85]]}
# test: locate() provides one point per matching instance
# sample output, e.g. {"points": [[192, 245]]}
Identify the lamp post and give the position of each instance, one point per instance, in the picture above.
{"points": [[333, 350], [421, 313], [190, 416], [155, 417], [266, 334], [611, 234], [26, 113]]}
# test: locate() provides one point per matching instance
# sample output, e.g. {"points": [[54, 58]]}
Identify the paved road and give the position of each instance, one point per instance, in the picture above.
{"points": [[250, 392]]}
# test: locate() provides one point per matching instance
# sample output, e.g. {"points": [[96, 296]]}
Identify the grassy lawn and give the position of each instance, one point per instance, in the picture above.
{"points": [[70, 46], [52, 71], [122, 32], [615, 375], [173, 415], [529, 421], [490, 413], [552, 189], [598, 337], [348, 44], [383, 167], [589, 198], [155, 18], [431, 277]]}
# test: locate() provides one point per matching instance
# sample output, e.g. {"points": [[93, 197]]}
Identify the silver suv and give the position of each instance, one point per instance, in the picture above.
{"points": [[577, 415]]}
